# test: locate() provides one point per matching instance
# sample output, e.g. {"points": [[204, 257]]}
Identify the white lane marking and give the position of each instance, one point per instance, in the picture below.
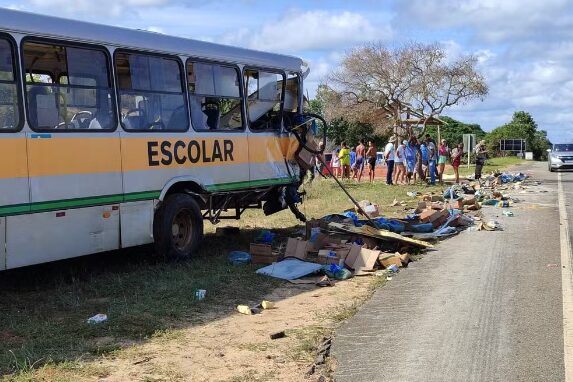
{"points": [[566, 284]]}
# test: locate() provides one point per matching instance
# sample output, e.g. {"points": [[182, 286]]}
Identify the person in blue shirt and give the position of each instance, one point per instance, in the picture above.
{"points": [[410, 153], [352, 161], [424, 152], [432, 157]]}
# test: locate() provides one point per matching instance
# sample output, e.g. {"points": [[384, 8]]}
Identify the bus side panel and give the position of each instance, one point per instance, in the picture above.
{"points": [[150, 161], [48, 236], [136, 223], [2, 243], [66, 166], [267, 157], [14, 171]]}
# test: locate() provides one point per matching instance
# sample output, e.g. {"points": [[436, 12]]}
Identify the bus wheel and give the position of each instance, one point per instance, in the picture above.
{"points": [[178, 227]]}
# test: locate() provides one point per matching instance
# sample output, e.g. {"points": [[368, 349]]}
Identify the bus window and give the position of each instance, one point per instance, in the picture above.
{"points": [[68, 88], [292, 90], [264, 99], [214, 95], [9, 104], [151, 93]]}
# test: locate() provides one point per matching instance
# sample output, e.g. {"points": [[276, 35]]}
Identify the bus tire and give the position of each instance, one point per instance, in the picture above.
{"points": [[178, 227]]}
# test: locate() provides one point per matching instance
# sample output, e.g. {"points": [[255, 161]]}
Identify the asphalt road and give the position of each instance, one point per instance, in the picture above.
{"points": [[486, 306]]}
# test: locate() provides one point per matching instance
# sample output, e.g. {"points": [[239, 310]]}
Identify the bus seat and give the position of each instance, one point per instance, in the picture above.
{"points": [[47, 110], [213, 116], [133, 122], [178, 119]]}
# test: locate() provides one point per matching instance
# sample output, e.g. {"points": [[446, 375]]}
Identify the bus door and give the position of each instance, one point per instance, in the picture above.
{"points": [[73, 155], [14, 195], [268, 143]]}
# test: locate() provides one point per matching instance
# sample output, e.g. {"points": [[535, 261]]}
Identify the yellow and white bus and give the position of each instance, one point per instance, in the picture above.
{"points": [[112, 138]]}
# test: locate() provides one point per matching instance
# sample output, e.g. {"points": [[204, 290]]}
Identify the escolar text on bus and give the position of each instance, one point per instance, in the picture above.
{"points": [[180, 152]]}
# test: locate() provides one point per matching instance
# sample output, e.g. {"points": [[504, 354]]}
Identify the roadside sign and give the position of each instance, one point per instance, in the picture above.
{"points": [[469, 142], [517, 145]]}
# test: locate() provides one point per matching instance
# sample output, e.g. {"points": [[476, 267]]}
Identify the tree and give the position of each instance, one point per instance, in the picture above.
{"points": [[452, 131], [522, 126], [385, 86]]}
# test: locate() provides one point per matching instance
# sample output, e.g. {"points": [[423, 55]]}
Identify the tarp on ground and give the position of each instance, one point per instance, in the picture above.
{"points": [[289, 269]]}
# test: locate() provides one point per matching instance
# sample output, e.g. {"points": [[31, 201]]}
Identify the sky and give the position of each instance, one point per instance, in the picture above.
{"points": [[524, 47]]}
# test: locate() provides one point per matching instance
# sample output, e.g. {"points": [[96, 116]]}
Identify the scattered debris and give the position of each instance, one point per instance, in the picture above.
{"points": [[277, 335], [199, 294], [507, 213], [97, 319], [289, 269], [239, 258]]}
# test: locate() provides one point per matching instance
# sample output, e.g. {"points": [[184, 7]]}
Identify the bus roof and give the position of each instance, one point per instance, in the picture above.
{"points": [[55, 27]]}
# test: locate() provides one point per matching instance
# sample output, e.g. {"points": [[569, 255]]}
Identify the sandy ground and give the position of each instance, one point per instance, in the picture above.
{"points": [[238, 347]]}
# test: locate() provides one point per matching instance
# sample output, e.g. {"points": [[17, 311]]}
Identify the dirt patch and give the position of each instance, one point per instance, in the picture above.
{"points": [[238, 347]]}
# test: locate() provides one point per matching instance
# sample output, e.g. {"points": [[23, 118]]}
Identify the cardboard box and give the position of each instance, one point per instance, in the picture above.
{"points": [[421, 207], [297, 248], [440, 221], [341, 250], [437, 206], [468, 201], [361, 259], [429, 216], [310, 224], [386, 260], [327, 256], [316, 242], [372, 211], [262, 254]]}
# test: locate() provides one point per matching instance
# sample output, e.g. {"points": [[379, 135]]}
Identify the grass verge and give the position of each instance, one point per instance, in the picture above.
{"points": [[43, 309]]}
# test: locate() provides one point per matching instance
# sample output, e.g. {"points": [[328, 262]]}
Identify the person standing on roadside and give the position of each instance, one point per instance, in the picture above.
{"points": [[359, 163], [371, 158], [335, 163], [352, 161], [443, 155], [432, 155], [424, 154], [344, 156], [389, 158], [457, 160], [410, 154], [399, 159], [481, 154]]}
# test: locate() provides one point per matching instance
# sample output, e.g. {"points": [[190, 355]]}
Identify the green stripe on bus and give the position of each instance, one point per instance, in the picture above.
{"points": [[77, 203], [53, 205], [248, 184]]}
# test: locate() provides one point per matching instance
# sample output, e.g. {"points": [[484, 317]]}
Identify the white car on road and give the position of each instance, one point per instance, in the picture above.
{"points": [[560, 156]]}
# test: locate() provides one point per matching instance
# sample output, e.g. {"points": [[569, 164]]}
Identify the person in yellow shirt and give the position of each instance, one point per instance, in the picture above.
{"points": [[344, 156]]}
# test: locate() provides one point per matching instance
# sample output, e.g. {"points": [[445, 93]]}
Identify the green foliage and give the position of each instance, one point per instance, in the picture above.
{"points": [[454, 130], [341, 130], [522, 126]]}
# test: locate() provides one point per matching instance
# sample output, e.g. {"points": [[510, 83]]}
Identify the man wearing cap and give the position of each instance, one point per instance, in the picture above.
{"points": [[389, 157]]}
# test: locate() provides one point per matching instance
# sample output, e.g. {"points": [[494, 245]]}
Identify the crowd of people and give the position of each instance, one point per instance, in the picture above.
{"points": [[402, 160]]}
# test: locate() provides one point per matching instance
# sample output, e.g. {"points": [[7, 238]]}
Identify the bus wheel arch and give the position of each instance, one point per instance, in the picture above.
{"points": [[178, 226]]}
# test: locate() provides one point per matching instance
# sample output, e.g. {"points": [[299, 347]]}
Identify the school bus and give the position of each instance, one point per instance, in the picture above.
{"points": [[112, 138]]}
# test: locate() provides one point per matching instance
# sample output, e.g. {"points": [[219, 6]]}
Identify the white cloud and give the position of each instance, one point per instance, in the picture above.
{"points": [[311, 30], [90, 8], [491, 20]]}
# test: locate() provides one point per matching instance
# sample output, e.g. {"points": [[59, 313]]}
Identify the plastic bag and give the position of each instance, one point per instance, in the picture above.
{"points": [[334, 271], [239, 258]]}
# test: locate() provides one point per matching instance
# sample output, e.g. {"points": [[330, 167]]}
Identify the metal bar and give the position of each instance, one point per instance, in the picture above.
{"points": [[319, 157]]}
